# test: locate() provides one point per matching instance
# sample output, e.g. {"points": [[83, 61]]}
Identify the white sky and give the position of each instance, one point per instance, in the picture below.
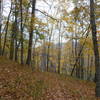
{"points": [[6, 7], [41, 6]]}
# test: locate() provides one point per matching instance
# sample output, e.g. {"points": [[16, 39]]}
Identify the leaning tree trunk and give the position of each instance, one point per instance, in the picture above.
{"points": [[29, 57], [96, 51]]}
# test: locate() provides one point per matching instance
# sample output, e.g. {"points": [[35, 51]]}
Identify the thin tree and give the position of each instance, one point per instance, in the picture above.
{"points": [[12, 42], [16, 32], [95, 44], [59, 48], [21, 27], [29, 57], [0, 24]]}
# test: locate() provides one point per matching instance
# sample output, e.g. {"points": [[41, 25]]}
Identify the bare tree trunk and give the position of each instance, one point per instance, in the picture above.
{"points": [[16, 32], [29, 57], [0, 24], [12, 42], [59, 50], [88, 67], [95, 44], [48, 54], [21, 27], [82, 66]]}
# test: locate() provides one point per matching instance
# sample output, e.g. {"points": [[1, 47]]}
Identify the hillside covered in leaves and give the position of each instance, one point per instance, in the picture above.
{"points": [[21, 83]]}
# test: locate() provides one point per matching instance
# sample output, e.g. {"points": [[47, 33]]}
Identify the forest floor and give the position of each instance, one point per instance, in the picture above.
{"points": [[20, 83]]}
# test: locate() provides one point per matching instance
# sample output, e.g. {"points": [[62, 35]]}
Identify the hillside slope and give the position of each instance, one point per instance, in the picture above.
{"points": [[20, 83]]}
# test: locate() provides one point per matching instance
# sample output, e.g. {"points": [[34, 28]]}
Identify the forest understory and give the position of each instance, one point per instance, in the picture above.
{"points": [[21, 83]]}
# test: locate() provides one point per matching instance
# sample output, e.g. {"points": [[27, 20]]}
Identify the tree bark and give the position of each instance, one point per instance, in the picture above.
{"points": [[59, 50], [21, 27], [16, 32], [29, 57], [95, 44], [0, 24], [12, 42]]}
